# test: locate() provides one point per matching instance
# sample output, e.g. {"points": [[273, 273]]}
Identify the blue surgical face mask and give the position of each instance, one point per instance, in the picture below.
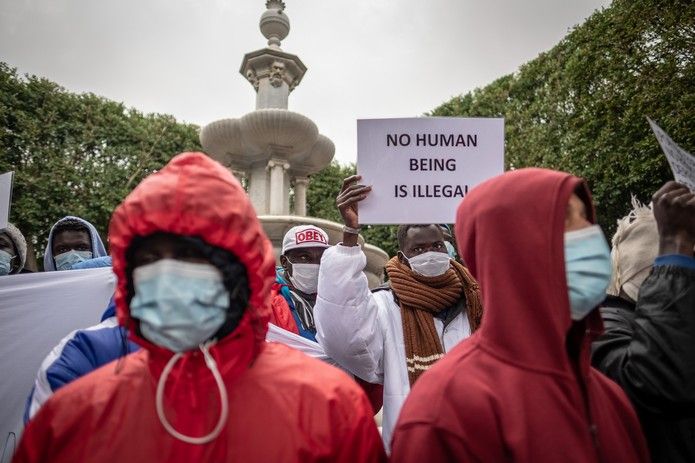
{"points": [[451, 250], [67, 259], [180, 305], [5, 263], [588, 267]]}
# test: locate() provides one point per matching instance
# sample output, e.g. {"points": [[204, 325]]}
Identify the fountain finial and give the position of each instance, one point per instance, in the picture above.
{"points": [[274, 24]]}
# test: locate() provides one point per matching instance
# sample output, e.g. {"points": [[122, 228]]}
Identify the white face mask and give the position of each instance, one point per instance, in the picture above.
{"points": [[430, 264], [305, 277]]}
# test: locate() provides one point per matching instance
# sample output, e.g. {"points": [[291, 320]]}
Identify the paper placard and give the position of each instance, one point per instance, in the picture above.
{"points": [[5, 198], [421, 168], [682, 163]]}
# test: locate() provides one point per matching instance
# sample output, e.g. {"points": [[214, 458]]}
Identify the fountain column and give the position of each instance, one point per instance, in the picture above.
{"points": [[277, 168], [300, 187]]}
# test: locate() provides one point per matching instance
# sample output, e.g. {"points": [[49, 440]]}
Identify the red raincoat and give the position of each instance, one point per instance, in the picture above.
{"points": [[283, 406], [521, 388]]}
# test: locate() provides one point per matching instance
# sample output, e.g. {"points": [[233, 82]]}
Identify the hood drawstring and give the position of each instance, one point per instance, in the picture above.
{"points": [[212, 366]]}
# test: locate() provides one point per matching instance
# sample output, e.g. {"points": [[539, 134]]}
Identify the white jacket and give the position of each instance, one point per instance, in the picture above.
{"points": [[363, 332]]}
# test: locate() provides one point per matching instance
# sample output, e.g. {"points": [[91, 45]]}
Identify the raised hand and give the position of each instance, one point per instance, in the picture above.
{"points": [[674, 211], [350, 194]]}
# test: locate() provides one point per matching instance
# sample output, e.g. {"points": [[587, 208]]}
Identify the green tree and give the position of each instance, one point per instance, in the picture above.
{"points": [[76, 154], [581, 107]]}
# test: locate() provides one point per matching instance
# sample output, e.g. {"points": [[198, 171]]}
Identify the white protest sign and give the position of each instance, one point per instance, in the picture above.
{"points": [[421, 168], [5, 198], [682, 163]]}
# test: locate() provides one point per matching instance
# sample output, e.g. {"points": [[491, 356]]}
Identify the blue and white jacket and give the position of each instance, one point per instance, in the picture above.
{"points": [[77, 354]]}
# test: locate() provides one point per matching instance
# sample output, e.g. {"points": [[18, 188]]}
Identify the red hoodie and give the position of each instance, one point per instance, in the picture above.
{"points": [[521, 388], [283, 406]]}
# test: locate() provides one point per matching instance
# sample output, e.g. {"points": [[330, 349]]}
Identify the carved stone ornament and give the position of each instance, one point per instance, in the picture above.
{"points": [[251, 77], [277, 73], [277, 4]]}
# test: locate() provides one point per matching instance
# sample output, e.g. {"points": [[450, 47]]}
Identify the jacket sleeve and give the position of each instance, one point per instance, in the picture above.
{"points": [[77, 354], [280, 314], [347, 314], [417, 443], [360, 441], [650, 353]]}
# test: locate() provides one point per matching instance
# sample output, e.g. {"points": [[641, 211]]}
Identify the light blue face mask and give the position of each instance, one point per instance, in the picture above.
{"points": [[588, 267], [451, 250], [180, 305], [67, 259], [5, 263]]}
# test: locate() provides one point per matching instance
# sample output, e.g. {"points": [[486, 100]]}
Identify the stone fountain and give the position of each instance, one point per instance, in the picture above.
{"points": [[274, 151]]}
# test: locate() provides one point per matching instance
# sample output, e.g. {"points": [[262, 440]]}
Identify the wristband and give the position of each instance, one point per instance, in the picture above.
{"points": [[350, 230]]}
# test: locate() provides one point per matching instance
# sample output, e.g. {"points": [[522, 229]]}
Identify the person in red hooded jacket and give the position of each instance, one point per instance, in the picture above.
{"points": [[194, 274], [521, 389]]}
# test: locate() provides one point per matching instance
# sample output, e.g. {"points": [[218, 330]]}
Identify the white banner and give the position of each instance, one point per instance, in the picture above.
{"points": [[682, 163], [37, 310], [421, 168]]}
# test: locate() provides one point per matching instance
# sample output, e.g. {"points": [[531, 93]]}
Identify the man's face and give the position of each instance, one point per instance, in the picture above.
{"points": [[7, 245], [71, 240], [301, 256], [419, 240], [159, 247], [576, 216]]}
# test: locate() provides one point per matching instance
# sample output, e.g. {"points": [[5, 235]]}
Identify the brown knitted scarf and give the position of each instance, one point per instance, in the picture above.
{"points": [[420, 297]]}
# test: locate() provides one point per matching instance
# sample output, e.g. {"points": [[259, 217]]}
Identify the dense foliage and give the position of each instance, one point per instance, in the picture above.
{"points": [[581, 107], [76, 154]]}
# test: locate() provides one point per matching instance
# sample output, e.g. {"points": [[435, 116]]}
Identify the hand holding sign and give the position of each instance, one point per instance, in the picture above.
{"points": [[674, 211], [350, 194]]}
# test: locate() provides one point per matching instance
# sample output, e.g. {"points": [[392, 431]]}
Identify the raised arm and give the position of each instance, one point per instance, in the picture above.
{"points": [[649, 352], [346, 311]]}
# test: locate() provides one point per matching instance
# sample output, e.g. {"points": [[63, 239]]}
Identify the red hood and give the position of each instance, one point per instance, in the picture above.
{"points": [[195, 196], [510, 232]]}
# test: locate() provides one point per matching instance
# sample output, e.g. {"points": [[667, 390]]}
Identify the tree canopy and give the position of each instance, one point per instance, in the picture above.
{"points": [[76, 154], [581, 107]]}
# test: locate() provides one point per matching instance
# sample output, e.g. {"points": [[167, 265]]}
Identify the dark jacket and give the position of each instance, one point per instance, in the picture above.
{"points": [[649, 349]]}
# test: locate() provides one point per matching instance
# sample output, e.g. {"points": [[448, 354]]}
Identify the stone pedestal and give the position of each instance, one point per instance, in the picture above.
{"points": [[272, 147]]}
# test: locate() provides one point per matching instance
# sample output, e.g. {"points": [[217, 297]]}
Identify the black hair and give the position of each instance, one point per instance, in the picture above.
{"points": [[403, 232], [70, 225], [234, 276]]}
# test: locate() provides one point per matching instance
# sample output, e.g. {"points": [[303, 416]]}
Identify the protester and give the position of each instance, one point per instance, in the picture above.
{"points": [[77, 354], [297, 279], [392, 335], [295, 291], [13, 251], [522, 389], [71, 240], [649, 319], [194, 274]]}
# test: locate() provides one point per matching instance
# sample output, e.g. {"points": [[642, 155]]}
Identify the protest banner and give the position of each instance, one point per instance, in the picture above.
{"points": [[37, 310], [5, 198], [682, 163], [421, 168]]}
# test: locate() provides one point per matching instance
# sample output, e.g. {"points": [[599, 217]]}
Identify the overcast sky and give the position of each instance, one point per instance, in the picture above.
{"points": [[366, 58]]}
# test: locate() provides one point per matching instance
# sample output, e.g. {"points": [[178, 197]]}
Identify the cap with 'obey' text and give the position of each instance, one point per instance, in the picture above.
{"points": [[304, 236]]}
